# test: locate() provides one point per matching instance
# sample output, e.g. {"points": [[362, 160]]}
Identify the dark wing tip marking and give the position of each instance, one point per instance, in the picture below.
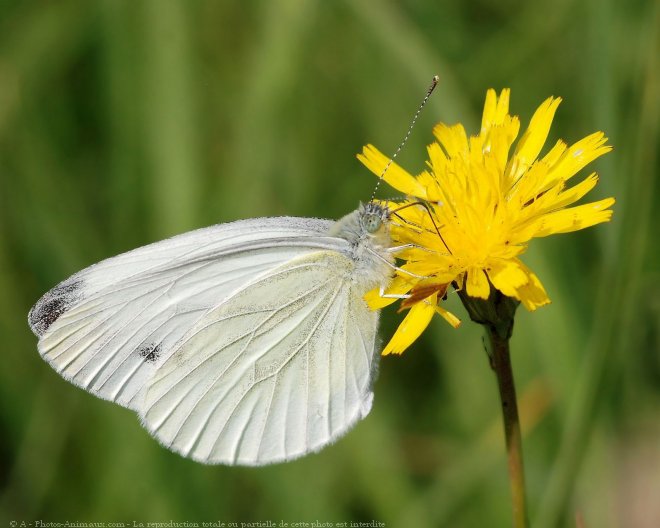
{"points": [[150, 353], [52, 305]]}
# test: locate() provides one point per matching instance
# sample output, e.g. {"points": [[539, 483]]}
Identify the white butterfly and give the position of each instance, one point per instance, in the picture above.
{"points": [[242, 343]]}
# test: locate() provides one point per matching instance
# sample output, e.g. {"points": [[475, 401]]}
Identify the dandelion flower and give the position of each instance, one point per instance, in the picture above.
{"points": [[480, 207]]}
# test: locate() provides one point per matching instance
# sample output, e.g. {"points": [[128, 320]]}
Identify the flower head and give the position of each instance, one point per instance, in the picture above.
{"points": [[472, 213]]}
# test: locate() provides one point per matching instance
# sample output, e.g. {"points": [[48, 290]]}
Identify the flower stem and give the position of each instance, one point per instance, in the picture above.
{"points": [[496, 314], [501, 365]]}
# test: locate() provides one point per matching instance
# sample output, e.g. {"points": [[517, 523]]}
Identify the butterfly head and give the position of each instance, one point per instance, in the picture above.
{"points": [[368, 226], [373, 217]]}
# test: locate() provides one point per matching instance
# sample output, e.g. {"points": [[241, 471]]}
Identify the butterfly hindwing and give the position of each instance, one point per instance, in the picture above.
{"points": [[279, 369]]}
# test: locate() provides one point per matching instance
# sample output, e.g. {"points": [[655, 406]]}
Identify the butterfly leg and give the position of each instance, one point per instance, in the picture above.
{"points": [[382, 294], [396, 249], [397, 268]]}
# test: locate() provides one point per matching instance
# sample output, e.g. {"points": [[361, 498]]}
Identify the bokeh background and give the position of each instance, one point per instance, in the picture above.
{"points": [[123, 122]]}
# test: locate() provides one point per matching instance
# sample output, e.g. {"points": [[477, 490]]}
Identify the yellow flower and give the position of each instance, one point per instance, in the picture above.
{"points": [[480, 207]]}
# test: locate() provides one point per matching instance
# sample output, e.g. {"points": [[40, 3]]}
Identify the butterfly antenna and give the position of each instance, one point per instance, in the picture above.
{"points": [[434, 83]]}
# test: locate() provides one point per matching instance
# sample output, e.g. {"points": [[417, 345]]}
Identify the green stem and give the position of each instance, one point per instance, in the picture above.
{"points": [[501, 365], [496, 314]]}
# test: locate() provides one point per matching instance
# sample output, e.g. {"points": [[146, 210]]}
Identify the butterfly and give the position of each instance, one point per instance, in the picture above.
{"points": [[243, 343]]}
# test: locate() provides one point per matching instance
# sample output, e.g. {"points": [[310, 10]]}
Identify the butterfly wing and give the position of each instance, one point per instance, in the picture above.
{"points": [[279, 369], [109, 327]]}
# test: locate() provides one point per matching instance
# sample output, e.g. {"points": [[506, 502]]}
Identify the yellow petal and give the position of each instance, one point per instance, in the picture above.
{"points": [[397, 177], [502, 106], [576, 192], [554, 153], [490, 108], [448, 316], [507, 277], [532, 141], [577, 156], [532, 294], [574, 218], [516, 280], [437, 158], [495, 109], [477, 283], [499, 140], [431, 187], [398, 286], [453, 139], [412, 326]]}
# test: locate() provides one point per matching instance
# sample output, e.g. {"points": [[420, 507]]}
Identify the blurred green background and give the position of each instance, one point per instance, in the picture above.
{"points": [[123, 122]]}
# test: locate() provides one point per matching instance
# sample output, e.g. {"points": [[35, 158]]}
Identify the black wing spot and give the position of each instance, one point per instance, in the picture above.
{"points": [[150, 353], [52, 305]]}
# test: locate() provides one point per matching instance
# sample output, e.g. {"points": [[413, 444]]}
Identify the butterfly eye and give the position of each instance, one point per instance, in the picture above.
{"points": [[372, 223]]}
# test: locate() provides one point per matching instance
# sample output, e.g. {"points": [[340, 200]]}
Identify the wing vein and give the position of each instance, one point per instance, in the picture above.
{"points": [[217, 403], [205, 360], [258, 382]]}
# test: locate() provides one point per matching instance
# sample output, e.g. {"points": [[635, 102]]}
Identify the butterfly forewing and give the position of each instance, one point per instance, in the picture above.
{"points": [[110, 326]]}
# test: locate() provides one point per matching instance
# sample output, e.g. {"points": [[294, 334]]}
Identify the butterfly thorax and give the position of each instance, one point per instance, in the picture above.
{"points": [[367, 230]]}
